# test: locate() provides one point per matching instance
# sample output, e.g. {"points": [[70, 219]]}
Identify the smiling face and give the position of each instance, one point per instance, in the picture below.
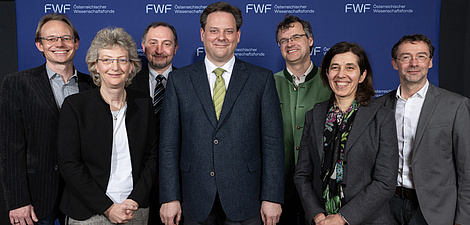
{"points": [[413, 72], [295, 52], [220, 37], [159, 48], [58, 52], [344, 75], [113, 75]]}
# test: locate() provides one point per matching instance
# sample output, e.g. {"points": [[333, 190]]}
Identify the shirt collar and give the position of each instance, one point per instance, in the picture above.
{"points": [[421, 93], [153, 74], [51, 74], [309, 69], [228, 66]]}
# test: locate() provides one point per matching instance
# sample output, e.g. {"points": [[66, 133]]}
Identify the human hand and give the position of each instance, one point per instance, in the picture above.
{"points": [[23, 215], [334, 219], [270, 212], [170, 213], [132, 203], [319, 219], [118, 213]]}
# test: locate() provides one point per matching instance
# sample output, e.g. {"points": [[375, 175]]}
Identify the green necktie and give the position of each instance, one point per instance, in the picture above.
{"points": [[219, 91]]}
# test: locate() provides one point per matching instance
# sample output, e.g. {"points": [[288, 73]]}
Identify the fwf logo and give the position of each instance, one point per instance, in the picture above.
{"points": [[357, 8], [158, 8], [56, 8], [258, 8]]}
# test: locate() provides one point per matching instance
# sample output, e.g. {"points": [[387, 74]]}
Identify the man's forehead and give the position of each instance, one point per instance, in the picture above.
{"points": [[413, 45]]}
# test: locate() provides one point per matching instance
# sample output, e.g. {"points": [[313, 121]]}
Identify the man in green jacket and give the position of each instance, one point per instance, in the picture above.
{"points": [[299, 87]]}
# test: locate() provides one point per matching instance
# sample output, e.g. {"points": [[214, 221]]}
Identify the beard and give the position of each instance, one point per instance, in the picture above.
{"points": [[159, 65]]}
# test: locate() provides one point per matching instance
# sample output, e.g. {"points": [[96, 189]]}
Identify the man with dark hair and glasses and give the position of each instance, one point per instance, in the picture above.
{"points": [[30, 101], [433, 183], [299, 87]]}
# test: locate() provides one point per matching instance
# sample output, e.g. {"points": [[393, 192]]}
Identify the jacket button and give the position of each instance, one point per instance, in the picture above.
{"points": [[56, 167], [298, 127], [295, 89], [216, 141], [297, 147], [212, 174]]}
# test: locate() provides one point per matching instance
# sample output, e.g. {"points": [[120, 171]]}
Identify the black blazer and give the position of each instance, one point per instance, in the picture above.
{"points": [[85, 147], [28, 139]]}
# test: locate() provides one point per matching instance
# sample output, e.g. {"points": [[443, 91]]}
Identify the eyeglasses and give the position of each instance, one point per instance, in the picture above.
{"points": [[122, 61], [408, 58], [294, 38], [65, 38]]}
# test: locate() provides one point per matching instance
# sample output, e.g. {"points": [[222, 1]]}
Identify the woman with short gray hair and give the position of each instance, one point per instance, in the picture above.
{"points": [[107, 139]]}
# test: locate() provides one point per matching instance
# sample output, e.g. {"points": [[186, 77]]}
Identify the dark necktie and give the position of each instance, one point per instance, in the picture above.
{"points": [[158, 96]]}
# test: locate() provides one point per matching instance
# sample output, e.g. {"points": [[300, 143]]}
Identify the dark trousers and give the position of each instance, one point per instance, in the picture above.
{"points": [[51, 219], [154, 208], [218, 217], [406, 211], [292, 211]]}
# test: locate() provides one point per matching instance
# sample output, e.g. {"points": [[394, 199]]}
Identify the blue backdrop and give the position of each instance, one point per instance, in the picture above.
{"points": [[374, 24]]}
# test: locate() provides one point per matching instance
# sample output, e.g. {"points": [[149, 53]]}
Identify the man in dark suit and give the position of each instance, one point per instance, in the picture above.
{"points": [[29, 110], [433, 184], [221, 140], [160, 43]]}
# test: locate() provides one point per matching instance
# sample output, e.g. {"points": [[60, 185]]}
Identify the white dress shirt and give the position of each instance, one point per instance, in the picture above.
{"points": [[407, 116], [210, 67], [153, 74]]}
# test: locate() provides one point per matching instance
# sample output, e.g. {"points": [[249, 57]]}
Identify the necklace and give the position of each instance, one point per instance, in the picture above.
{"points": [[116, 115], [121, 105]]}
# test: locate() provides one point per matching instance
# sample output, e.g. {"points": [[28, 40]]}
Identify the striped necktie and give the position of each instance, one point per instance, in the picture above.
{"points": [[158, 96], [219, 91]]}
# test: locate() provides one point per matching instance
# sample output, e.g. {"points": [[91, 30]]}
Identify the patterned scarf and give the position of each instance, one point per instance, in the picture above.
{"points": [[335, 135]]}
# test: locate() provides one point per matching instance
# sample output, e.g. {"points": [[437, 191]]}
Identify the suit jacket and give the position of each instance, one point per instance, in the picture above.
{"points": [[240, 157], [85, 147], [370, 165], [141, 80], [441, 155], [28, 143]]}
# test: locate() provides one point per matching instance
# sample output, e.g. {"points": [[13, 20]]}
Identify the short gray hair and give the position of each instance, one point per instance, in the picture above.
{"points": [[107, 38]]}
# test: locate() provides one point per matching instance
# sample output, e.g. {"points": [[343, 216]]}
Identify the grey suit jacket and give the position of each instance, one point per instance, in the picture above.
{"points": [[441, 156], [28, 140], [240, 157], [370, 164]]}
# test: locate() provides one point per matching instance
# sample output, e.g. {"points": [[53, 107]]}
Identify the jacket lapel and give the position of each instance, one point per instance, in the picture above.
{"points": [[201, 86], [40, 83], [364, 115], [237, 82], [430, 103], [319, 125]]}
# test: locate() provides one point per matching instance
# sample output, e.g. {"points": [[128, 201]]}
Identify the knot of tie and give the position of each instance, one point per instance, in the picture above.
{"points": [[159, 78], [218, 72]]}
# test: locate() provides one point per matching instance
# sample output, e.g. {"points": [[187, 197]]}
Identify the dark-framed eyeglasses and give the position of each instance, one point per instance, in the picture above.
{"points": [[294, 38]]}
